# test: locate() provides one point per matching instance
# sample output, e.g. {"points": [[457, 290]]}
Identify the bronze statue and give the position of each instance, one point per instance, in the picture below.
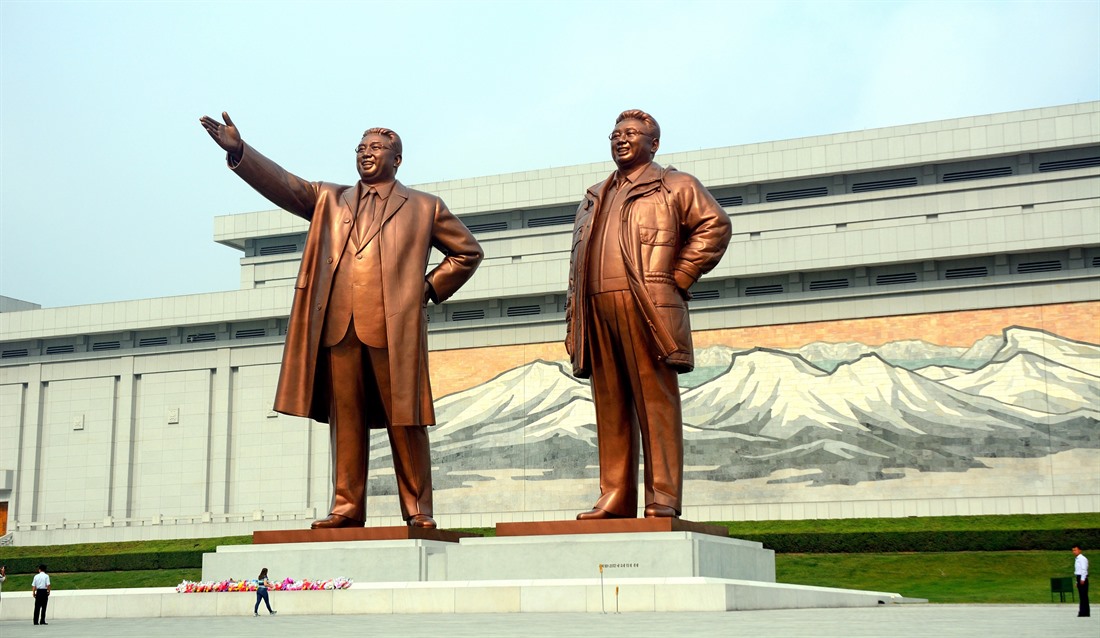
{"points": [[356, 354], [641, 238]]}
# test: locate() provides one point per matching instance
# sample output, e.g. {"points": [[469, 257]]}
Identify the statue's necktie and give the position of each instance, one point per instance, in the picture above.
{"points": [[365, 216]]}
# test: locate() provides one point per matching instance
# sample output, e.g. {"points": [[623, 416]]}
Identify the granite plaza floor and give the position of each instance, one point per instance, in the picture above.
{"points": [[894, 621]]}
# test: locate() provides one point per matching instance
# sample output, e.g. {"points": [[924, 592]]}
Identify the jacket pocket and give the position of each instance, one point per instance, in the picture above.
{"points": [[656, 236], [671, 308]]}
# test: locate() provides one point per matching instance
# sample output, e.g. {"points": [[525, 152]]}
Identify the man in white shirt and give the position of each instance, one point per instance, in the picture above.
{"points": [[40, 589], [1081, 575]]}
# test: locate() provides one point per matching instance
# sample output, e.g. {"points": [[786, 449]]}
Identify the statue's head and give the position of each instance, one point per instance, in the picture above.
{"points": [[635, 139], [378, 155]]}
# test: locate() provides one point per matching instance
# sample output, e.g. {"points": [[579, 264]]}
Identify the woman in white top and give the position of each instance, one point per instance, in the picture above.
{"points": [[262, 584]]}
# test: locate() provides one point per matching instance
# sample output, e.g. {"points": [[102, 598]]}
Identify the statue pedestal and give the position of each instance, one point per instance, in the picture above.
{"points": [[596, 566], [621, 555]]}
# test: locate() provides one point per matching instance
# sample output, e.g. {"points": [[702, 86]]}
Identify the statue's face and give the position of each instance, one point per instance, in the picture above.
{"points": [[632, 145], [376, 160]]}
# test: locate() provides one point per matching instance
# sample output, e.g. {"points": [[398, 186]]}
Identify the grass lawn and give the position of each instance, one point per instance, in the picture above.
{"points": [[123, 547], [957, 577]]}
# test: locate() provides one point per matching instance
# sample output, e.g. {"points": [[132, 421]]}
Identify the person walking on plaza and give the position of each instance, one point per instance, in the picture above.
{"points": [[40, 589], [1081, 575], [262, 585]]}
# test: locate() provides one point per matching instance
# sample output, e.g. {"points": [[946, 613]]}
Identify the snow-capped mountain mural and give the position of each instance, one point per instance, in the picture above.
{"points": [[831, 413]]}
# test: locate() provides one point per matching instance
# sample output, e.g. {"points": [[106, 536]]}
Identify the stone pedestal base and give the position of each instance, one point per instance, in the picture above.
{"points": [[539, 572], [624, 555]]}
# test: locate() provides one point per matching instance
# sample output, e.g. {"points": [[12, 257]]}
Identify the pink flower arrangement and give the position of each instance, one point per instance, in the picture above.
{"points": [[288, 584]]}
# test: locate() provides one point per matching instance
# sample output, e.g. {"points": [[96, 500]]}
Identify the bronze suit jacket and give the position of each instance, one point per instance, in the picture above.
{"points": [[672, 232], [412, 224]]}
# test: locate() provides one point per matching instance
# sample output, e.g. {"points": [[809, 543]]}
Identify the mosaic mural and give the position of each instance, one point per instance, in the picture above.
{"points": [[827, 413]]}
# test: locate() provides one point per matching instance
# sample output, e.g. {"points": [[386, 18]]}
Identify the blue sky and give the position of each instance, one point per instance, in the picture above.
{"points": [[109, 186]]}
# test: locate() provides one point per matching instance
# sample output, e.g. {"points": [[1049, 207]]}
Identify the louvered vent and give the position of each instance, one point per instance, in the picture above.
{"points": [[765, 289], [732, 200], [705, 294], [12, 354], [966, 273], [1065, 165], [487, 227], [106, 345], [1096, 261], [248, 333], [523, 311], [556, 220], [801, 193], [60, 349], [145, 342], [283, 249], [1050, 265], [884, 184], [896, 278], [201, 337], [467, 315], [828, 284], [981, 173]]}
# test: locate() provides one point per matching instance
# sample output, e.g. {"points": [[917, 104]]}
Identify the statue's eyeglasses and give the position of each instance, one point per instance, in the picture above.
{"points": [[374, 148], [628, 134]]}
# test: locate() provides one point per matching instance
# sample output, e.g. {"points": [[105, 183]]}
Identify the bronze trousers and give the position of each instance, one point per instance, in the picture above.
{"points": [[637, 401], [360, 384]]}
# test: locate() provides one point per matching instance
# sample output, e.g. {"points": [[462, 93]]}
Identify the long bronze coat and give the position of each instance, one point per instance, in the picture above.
{"points": [[412, 224], [673, 232]]}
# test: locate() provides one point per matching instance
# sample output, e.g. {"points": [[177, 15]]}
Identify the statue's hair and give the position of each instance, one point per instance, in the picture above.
{"points": [[642, 116], [395, 139]]}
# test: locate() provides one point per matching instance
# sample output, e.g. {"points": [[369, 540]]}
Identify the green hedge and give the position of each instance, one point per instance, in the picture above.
{"points": [[106, 562], [940, 541]]}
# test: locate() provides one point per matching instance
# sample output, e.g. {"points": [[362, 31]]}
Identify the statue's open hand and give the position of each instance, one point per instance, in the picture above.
{"points": [[226, 135]]}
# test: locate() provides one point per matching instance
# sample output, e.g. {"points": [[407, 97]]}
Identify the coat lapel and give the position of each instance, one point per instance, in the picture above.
{"points": [[349, 202]]}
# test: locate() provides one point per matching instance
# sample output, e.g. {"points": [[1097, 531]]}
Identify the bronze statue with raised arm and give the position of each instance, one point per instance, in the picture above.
{"points": [[641, 238], [356, 354]]}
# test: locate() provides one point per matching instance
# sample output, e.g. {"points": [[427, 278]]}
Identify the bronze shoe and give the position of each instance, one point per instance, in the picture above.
{"points": [[596, 514], [332, 521], [660, 511], [422, 520]]}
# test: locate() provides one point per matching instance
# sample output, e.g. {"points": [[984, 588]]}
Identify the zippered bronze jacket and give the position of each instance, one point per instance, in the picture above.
{"points": [[672, 232]]}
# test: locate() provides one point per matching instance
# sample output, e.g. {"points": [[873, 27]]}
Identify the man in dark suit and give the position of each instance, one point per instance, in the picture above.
{"points": [[642, 237], [356, 353]]}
